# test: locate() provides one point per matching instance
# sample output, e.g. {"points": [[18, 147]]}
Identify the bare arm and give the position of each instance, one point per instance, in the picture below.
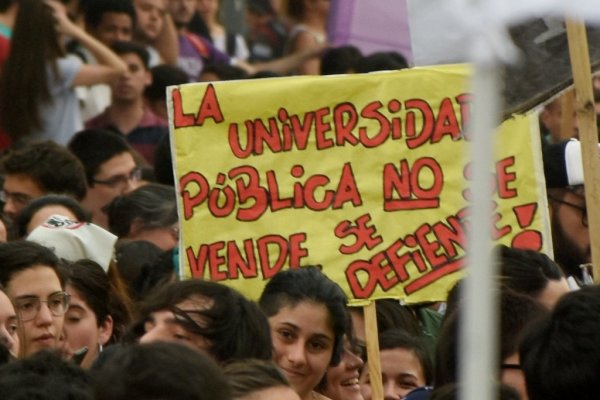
{"points": [[285, 64], [305, 41], [111, 65], [167, 43]]}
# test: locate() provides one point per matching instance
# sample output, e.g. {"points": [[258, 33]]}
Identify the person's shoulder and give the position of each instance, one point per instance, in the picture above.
{"points": [[4, 48], [422, 393], [151, 119], [5, 31], [303, 37], [297, 29], [101, 120]]}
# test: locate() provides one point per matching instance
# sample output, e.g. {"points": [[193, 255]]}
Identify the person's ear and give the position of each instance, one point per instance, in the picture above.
{"points": [[105, 330], [545, 117], [136, 227]]}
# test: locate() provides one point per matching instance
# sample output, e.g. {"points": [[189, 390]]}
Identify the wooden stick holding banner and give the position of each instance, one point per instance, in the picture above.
{"points": [[588, 133], [372, 339], [566, 124]]}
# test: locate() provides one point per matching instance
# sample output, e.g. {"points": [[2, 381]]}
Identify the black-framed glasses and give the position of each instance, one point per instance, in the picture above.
{"points": [[583, 209], [18, 198], [121, 180], [28, 307]]}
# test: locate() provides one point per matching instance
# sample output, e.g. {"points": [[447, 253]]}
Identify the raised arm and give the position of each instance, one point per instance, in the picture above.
{"points": [[305, 41], [110, 65], [287, 63], [166, 42]]}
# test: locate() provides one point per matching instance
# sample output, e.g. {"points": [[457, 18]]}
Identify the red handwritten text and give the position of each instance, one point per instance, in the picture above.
{"points": [[412, 188], [262, 257], [430, 245], [209, 108], [249, 198], [343, 124]]}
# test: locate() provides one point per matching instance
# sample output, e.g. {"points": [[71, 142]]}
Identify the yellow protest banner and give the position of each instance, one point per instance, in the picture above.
{"points": [[365, 175]]}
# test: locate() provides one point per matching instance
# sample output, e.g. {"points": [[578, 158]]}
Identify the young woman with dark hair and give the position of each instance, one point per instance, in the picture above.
{"points": [[32, 281], [252, 379], [308, 319], [146, 213], [37, 100], [206, 316], [97, 314], [309, 31]]}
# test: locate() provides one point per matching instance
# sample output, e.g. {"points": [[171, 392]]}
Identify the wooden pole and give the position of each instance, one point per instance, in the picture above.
{"points": [[566, 123], [372, 339], [588, 133]]}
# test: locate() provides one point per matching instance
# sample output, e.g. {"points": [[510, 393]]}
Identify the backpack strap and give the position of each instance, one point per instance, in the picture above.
{"points": [[198, 44]]}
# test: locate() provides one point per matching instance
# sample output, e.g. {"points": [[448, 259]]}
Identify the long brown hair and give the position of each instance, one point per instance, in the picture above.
{"points": [[35, 47]]}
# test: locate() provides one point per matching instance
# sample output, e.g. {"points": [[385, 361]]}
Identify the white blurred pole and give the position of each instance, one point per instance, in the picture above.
{"points": [[477, 355]]}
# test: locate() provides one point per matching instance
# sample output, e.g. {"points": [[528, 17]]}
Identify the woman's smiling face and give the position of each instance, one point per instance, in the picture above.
{"points": [[303, 341], [343, 379]]}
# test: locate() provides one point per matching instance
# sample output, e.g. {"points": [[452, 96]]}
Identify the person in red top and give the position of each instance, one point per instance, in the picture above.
{"points": [[8, 13]]}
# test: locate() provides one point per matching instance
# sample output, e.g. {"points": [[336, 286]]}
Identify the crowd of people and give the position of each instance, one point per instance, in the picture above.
{"points": [[91, 303]]}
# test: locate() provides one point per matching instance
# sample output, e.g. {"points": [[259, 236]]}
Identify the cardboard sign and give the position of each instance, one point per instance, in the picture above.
{"points": [[366, 175]]}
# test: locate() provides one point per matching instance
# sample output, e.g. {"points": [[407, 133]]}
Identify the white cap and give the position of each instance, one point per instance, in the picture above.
{"points": [[573, 163], [74, 240]]}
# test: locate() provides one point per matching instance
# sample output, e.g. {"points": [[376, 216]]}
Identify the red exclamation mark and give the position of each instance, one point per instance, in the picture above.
{"points": [[528, 239]]}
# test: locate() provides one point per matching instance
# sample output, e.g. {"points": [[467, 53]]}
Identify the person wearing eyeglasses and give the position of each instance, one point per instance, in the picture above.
{"points": [[31, 279], [110, 169], [563, 169]]}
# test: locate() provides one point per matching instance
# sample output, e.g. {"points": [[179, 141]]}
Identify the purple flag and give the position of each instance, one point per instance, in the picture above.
{"points": [[371, 25]]}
